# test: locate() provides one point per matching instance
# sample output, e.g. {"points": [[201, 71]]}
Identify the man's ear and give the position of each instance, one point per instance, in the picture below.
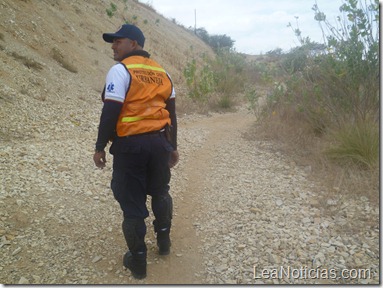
{"points": [[135, 45]]}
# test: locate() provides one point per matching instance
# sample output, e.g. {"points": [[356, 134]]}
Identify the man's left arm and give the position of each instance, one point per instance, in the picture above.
{"points": [[171, 107]]}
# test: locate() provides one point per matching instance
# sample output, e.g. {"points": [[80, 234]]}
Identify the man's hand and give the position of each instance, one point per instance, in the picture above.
{"points": [[99, 159], [174, 158]]}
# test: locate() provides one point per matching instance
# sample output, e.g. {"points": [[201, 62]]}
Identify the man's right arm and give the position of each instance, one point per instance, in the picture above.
{"points": [[114, 93], [108, 122]]}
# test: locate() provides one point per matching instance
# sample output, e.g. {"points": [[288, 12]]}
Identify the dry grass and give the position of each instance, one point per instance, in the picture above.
{"points": [[59, 57], [293, 136], [30, 63], [356, 144]]}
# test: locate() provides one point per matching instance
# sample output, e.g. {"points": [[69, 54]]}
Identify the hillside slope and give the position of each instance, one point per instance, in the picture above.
{"points": [[53, 57]]}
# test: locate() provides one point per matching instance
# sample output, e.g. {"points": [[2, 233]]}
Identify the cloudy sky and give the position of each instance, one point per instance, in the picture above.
{"points": [[257, 26]]}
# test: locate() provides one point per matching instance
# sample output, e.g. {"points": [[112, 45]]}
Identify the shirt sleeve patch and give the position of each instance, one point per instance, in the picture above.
{"points": [[117, 82], [110, 87]]}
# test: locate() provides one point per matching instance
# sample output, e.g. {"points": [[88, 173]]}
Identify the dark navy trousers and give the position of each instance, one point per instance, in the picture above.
{"points": [[140, 168]]}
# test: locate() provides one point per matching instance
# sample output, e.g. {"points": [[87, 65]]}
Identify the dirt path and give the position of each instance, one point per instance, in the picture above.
{"points": [[185, 264]]}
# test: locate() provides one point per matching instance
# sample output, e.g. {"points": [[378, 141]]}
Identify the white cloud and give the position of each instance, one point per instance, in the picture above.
{"points": [[256, 26]]}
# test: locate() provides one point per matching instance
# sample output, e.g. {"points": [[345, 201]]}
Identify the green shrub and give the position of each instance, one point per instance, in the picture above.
{"points": [[252, 97], [332, 89], [224, 75], [200, 83], [351, 68], [111, 10], [337, 81], [225, 102]]}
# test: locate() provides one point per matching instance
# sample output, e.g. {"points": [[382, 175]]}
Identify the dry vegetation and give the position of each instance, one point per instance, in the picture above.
{"points": [[296, 138]]}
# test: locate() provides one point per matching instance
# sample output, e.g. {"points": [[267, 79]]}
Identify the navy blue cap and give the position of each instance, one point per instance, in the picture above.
{"points": [[129, 31]]}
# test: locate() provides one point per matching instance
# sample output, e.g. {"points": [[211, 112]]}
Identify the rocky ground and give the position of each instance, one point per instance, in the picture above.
{"points": [[242, 212]]}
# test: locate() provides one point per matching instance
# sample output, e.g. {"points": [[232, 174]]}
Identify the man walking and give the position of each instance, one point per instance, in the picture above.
{"points": [[139, 117]]}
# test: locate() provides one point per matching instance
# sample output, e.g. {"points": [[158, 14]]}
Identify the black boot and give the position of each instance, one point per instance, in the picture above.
{"points": [[163, 239], [136, 264], [163, 243], [162, 206], [135, 259]]}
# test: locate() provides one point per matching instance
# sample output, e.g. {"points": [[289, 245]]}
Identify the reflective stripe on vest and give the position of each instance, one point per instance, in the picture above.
{"points": [[143, 66], [134, 119]]}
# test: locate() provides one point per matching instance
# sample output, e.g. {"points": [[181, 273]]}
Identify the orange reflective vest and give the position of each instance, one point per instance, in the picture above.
{"points": [[144, 106]]}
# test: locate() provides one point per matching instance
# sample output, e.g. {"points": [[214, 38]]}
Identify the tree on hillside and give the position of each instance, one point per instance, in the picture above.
{"points": [[221, 41], [216, 42], [202, 34]]}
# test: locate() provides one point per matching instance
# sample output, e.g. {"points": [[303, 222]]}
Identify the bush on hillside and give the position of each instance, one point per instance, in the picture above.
{"points": [[224, 76], [336, 82], [217, 42]]}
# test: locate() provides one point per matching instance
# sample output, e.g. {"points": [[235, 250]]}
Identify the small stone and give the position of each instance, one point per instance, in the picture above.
{"points": [[312, 241], [4, 241], [255, 210], [279, 202], [23, 281], [314, 203], [331, 202], [221, 268], [331, 249], [241, 246], [36, 279], [337, 243], [96, 259], [325, 224], [306, 220], [317, 220], [16, 251]]}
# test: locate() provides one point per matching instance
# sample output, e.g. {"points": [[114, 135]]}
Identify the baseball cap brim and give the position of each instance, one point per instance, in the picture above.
{"points": [[126, 31], [109, 37]]}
